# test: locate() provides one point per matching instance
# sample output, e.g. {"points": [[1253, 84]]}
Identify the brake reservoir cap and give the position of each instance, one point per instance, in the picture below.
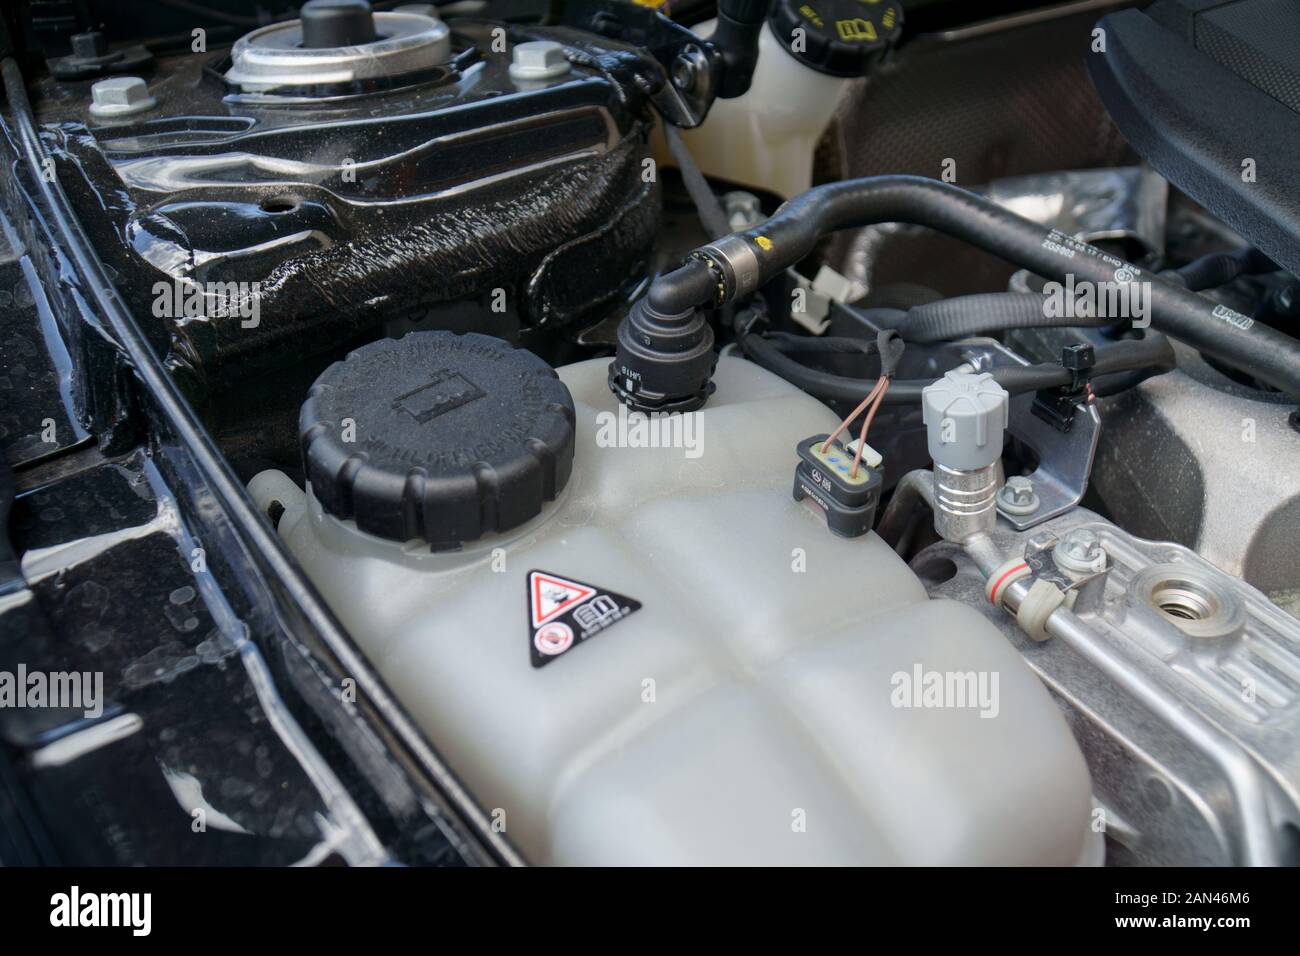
{"points": [[437, 437], [966, 415], [839, 37]]}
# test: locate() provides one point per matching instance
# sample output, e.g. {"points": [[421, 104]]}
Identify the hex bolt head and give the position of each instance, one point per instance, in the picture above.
{"points": [[743, 209], [1082, 543], [1081, 551], [1017, 496], [90, 45], [683, 74], [120, 96], [690, 69], [538, 60]]}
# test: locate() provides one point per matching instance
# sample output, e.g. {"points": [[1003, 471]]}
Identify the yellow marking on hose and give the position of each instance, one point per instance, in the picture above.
{"points": [[763, 243]]}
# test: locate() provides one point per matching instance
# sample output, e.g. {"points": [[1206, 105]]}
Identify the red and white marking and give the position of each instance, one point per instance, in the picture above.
{"points": [[553, 639], [549, 596]]}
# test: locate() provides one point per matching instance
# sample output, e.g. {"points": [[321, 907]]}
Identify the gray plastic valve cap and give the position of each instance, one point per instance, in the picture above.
{"points": [[965, 415]]}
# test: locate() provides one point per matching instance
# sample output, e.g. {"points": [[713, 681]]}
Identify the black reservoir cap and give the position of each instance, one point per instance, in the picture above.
{"points": [[840, 37], [437, 436]]}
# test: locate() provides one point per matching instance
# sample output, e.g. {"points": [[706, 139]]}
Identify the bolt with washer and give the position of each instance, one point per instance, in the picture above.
{"points": [[689, 69], [1080, 551], [1017, 496], [743, 209], [120, 96], [538, 60]]}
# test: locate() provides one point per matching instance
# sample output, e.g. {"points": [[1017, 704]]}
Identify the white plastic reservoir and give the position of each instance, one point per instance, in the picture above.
{"points": [[781, 696], [766, 138]]}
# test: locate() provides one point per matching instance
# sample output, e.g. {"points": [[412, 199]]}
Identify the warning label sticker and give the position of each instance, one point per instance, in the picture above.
{"points": [[563, 613]]}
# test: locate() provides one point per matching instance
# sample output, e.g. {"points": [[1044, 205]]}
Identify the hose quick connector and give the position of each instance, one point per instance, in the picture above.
{"points": [[736, 35], [966, 415], [734, 260], [664, 362]]}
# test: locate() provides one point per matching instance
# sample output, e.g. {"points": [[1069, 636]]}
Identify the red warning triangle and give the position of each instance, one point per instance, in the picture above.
{"points": [[549, 596]]}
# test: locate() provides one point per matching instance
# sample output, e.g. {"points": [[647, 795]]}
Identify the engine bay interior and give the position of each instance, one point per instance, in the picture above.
{"points": [[910, 390]]}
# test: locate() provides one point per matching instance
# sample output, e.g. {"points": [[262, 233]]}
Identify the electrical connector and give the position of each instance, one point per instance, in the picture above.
{"points": [[825, 477]]}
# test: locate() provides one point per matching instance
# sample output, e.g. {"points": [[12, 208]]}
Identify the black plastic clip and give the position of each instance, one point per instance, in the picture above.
{"points": [[1056, 406]]}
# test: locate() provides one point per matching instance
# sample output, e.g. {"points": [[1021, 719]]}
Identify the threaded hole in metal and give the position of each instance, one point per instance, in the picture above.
{"points": [[1184, 601]]}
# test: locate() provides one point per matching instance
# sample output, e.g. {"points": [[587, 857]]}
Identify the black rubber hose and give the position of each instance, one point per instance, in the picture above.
{"points": [[1104, 386], [1220, 268], [757, 255], [684, 289], [821, 344], [736, 34], [967, 315], [1151, 354]]}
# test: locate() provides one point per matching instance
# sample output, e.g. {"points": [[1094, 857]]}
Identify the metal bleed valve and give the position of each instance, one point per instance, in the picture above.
{"points": [[966, 415]]}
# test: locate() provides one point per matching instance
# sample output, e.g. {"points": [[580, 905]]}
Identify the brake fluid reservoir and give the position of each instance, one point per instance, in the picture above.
{"points": [[633, 646], [807, 54]]}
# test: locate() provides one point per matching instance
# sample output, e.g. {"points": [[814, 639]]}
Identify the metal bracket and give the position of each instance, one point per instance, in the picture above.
{"points": [[670, 64], [1064, 459]]}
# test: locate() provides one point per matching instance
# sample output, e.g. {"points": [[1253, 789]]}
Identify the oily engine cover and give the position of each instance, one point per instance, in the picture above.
{"points": [[258, 223]]}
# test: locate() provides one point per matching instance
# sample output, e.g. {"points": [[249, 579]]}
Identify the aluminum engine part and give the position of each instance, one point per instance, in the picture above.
{"points": [[965, 499], [1193, 457], [1216, 644], [1124, 204], [1188, 456], [1215, 468]]}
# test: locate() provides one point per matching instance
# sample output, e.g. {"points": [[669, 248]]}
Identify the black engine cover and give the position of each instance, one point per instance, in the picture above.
{"points": [[1209, 92]]}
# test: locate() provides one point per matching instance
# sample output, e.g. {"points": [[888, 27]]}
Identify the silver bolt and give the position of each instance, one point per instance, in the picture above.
{"points": [[1081, 543], [743, 209], [120, 96], [683, 74], [1018, 497], [689, 68], [538, 60], [1081, 551]]}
